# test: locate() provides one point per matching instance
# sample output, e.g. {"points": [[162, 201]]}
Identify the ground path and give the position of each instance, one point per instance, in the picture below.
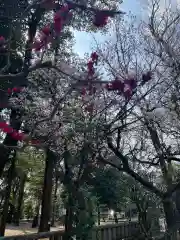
{"points": [[25, 228]]}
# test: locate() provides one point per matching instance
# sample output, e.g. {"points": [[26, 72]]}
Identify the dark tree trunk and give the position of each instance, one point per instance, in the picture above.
{"points": [[35, 221], [171, 217], [70, 198], [9, 141], [177, 202], [47, 192], [10, 213], [99, 214], [115, 217], [20, 200], [36, 217], [54, 202], [69, 218], [14, 192], [169, 212], [7, 196]]}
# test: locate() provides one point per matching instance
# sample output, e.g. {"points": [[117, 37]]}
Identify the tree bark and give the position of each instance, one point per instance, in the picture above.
{"points": [[47, 192], [69, 218], [70, 198], [169, 212], [170, 216], [20, 200], [14, 192], [177, 201], [54, 202], [15, 123], [7, 196]]}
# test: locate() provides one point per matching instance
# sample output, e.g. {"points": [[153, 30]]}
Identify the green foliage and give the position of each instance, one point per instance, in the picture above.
{"points": [[84, 210], [86, 216], [110, 187], [28, 210], [32, 163]]}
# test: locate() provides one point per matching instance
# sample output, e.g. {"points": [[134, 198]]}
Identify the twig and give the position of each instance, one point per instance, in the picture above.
{"points": [[84, 7]]}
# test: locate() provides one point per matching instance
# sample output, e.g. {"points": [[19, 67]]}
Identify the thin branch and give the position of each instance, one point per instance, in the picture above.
{"points": [[127, 169], [92, 9]]}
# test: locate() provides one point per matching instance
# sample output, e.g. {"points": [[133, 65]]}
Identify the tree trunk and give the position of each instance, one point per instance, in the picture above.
{"points": [[115, 217], [9, 141], [11, 212], [69, 218], [169, 212], [35, 221], [20, 200], [177, 202], [14, 192], [7, 196], [47, 192], [54, 202], [170, 216], [70, 198], [99, 214]]}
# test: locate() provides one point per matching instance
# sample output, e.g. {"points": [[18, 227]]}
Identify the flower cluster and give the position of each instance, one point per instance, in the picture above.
{"points": [[124, 87], [43, 40], [9, 130], [91, 89], [101, 19], [60, 18], [19, 136], [92, 62], [127, 86], [14, 90], [48, 33]]}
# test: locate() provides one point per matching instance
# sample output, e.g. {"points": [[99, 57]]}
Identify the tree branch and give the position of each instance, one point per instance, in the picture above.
{"points": [[127, 169], [172, 190], [19, 77], [103, 160]]}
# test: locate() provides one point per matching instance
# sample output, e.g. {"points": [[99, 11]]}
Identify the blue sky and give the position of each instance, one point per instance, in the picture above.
{"points": [[84, 40]]}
